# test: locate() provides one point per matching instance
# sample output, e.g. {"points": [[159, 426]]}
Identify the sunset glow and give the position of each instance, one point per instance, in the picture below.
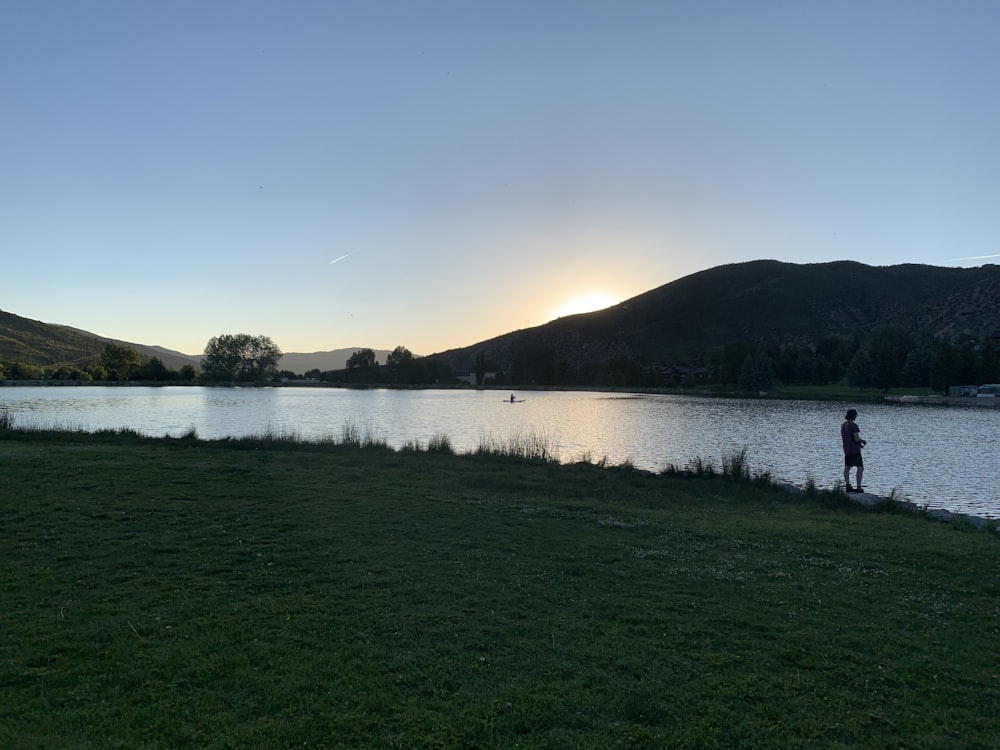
{"points": [[585, 303]]}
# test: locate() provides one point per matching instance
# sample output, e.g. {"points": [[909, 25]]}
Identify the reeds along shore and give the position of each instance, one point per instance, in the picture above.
{"points": [[533, 447]]}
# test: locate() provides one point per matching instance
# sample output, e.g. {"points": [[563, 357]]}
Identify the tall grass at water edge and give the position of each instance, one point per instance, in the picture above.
{"points": [[528, 446], [735, 466]]}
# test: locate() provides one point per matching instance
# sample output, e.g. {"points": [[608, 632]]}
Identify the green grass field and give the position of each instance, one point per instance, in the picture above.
{"points": [[182, 594]]}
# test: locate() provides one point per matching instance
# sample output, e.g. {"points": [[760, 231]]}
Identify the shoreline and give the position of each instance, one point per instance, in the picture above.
{"points": [[838, 396], [943, 515]]}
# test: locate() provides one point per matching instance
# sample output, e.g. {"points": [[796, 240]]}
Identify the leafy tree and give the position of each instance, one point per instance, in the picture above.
{"points": [[399, 356], [120, 361], [154, 369], [361, 359], [240, 358], [400, 364], [24, 371], [188, 373], [69, 372]]}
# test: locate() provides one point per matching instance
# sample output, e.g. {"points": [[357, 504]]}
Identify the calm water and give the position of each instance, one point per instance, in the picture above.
{"points": [[946, 457]]}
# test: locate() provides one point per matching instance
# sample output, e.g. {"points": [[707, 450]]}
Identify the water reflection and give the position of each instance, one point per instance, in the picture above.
{"points": [[941, 457]]}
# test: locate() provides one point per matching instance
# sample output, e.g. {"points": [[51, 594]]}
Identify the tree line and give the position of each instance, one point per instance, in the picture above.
{"points": [[888, 357], [116, 362], [401, 368], [234, 358]]}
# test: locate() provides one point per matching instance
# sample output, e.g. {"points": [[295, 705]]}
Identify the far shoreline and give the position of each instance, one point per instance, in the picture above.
{"points": [[782, 394]]}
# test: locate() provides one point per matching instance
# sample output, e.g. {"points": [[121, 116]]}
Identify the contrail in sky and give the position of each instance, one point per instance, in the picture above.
{"points": [[340, 258], [973, 257]]}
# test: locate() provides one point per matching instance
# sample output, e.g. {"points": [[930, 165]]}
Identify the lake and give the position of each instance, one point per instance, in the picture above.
{"points": [[945, 457]]}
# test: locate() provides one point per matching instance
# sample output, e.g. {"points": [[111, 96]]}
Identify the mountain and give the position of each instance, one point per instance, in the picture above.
{"points": [[50, 344], [34, 342], [758, 302]]}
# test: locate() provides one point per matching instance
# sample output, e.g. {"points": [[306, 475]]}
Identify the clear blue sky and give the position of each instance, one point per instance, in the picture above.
{"points": [[172, 171]]}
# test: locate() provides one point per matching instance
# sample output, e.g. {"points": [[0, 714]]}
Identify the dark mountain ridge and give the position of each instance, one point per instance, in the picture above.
{"points": [[763, 302]]}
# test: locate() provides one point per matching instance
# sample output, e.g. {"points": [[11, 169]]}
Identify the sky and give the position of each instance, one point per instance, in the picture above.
{"points": [[433, 174]]}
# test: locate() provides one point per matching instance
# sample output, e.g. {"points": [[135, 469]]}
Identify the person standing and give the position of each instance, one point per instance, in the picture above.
{"points": [[850, 436]]}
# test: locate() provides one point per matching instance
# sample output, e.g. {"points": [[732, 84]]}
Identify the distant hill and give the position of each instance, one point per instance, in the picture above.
{"points": [[37, 343], [52, 345], [759, 302]]}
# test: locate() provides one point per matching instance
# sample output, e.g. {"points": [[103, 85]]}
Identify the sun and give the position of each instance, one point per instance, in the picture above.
{"points": [[586, 303]]}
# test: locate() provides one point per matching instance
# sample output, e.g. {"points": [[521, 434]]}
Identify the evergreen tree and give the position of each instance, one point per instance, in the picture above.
{"points": [[991, 361], [804, 367], [729, 362], [860, 371], [916, 370], [945, 370], [757, 373], [887, 348], [970, 362]]}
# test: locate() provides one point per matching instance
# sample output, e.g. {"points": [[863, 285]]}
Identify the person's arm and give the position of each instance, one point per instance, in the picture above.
{"points": [[857, 437]]}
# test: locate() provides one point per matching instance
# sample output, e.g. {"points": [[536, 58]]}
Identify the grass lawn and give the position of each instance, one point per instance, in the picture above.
{"points": [[182, 594]]}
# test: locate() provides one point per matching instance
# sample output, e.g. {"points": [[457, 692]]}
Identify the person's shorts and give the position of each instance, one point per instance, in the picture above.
{"points": [[854, 459]]}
